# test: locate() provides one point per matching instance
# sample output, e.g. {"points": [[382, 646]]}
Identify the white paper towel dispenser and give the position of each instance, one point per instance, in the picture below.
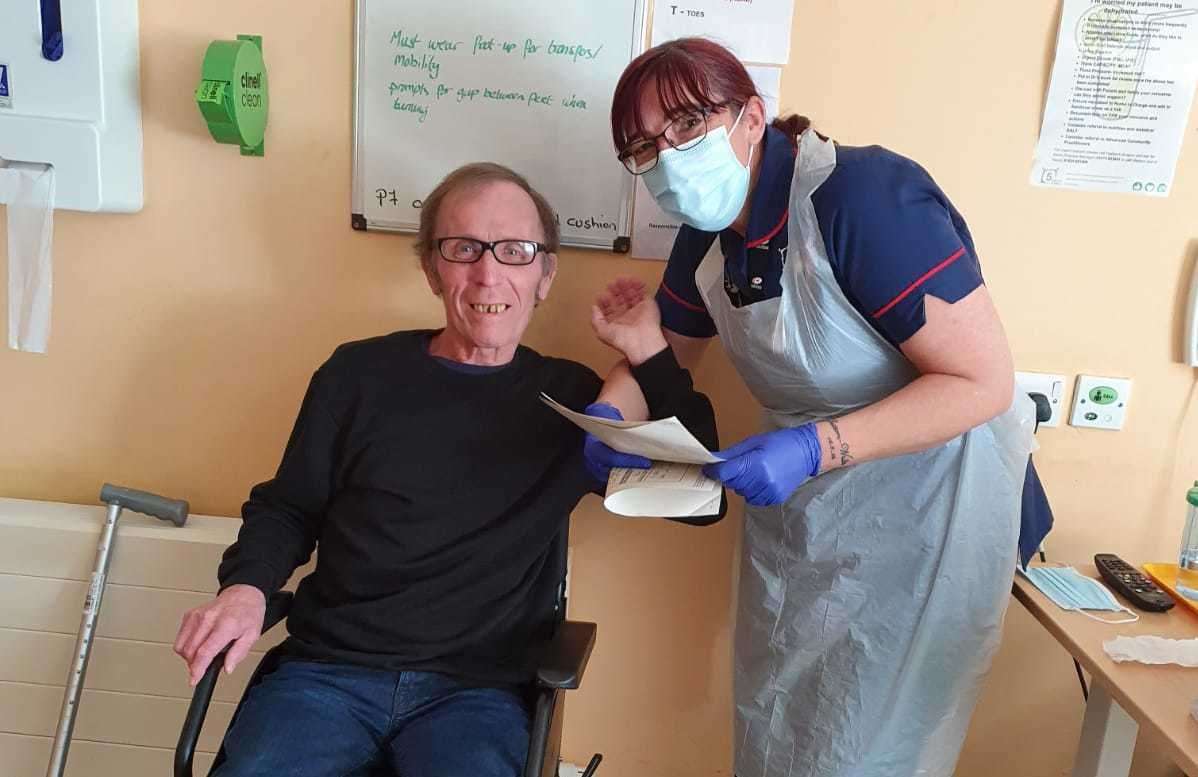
{"points": [[79, 112]]}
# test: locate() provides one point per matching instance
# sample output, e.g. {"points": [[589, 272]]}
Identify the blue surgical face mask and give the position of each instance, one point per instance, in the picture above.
{"points": [[704, 186], [1071, 590]]}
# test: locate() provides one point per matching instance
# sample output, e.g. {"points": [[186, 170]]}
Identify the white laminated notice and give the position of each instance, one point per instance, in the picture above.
{"points": [[754, 31], [1119, 99]]}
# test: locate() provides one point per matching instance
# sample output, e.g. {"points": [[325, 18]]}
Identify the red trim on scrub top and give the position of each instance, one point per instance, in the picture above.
{"points": [[919, 282], [681, 301], [770, 235]]}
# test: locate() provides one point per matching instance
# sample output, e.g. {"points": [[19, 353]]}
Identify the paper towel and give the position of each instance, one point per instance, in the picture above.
{"points": [[1153, 650], [28, 191]]}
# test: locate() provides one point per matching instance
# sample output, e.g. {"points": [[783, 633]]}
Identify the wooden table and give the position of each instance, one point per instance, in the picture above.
{"points": [[1124, 697]]}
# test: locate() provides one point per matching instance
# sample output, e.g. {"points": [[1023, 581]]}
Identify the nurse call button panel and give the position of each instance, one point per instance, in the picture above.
{"points": [[1100, 403]]}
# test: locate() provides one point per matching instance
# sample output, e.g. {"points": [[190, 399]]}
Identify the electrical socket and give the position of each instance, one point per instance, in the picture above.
{"points": [[1048, 384]]}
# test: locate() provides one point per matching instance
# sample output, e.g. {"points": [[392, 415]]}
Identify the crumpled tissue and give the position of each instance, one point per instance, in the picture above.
{"points": [[1153, 650]]}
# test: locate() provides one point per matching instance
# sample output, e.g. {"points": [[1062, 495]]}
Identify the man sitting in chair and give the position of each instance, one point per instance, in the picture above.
{"points": [[434, 480]]}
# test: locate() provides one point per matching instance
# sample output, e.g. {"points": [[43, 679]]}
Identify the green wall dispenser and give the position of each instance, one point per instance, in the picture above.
{"points": [[232, 96]]}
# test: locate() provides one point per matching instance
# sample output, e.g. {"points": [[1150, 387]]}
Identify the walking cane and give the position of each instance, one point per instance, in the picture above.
{"points": [[116, 497]]}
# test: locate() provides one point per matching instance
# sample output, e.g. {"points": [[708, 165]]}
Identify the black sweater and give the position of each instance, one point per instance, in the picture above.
{"points": [[434, 495]]}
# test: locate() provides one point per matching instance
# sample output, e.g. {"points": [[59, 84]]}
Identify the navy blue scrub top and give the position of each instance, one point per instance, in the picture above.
{"points": [[892, 237]]}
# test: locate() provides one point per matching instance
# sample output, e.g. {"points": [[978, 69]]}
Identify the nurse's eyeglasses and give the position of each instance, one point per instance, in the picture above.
{"points": [[685, 132], [466, 250]]}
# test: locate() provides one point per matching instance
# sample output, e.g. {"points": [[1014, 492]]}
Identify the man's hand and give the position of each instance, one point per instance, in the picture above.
{"points": [[235, 616], [627, 318]]}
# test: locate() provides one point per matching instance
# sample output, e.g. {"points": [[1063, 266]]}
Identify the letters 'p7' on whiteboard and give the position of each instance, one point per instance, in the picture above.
{"points": [[525, 83]]}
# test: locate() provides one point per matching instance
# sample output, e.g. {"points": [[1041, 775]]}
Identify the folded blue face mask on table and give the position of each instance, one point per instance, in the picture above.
{"points": [[1071, 590]]}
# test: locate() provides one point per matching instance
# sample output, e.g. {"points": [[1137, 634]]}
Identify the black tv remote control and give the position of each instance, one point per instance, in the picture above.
{"points": [[1135, 586]]}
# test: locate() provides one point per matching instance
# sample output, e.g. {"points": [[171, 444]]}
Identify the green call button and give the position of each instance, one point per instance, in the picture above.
{"points": [[1103, 395]]}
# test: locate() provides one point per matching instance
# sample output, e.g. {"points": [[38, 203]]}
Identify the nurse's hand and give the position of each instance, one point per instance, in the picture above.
{"points": [[626, 317], [600, 458], [767, 468]]}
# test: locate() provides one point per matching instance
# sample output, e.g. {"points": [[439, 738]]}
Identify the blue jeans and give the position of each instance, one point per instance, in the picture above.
{"points": [[336, 720]]}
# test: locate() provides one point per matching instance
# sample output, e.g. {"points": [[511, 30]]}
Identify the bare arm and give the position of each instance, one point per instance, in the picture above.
{"points": [[967, 378], [688, 350], [628, 320], [621, 390]]}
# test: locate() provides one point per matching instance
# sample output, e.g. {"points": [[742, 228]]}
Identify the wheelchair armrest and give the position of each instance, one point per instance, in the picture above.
{"points": [[565, 656], [277, 608]]}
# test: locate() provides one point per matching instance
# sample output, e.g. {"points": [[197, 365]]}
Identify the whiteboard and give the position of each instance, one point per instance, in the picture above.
{"points": [[525, 83]]}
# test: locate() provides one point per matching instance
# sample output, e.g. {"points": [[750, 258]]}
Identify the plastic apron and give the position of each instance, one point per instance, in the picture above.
{"points": [[871, 603]]}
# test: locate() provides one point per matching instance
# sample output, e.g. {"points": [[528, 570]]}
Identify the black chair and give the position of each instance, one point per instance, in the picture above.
{"points": [[560, 663]]}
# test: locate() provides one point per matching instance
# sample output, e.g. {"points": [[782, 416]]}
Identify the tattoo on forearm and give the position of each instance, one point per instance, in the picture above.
{"points": [[846, 455]]}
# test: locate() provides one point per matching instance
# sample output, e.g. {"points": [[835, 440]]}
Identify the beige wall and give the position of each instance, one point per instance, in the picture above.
{"points": [[184, 335]]}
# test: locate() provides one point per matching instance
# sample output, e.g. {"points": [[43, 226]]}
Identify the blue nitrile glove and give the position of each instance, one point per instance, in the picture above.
{"points": [[601, 458], [766, 469]]}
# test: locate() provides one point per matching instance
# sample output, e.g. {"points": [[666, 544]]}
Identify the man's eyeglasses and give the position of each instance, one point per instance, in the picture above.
{"points": [[467, 250], [684, 132]]}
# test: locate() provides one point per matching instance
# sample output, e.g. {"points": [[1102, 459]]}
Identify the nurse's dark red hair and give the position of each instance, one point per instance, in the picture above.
{"points": [[687, 73]]}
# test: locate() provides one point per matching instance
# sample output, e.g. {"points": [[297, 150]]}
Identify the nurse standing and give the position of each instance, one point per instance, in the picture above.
{"points": [[885, 495]]}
